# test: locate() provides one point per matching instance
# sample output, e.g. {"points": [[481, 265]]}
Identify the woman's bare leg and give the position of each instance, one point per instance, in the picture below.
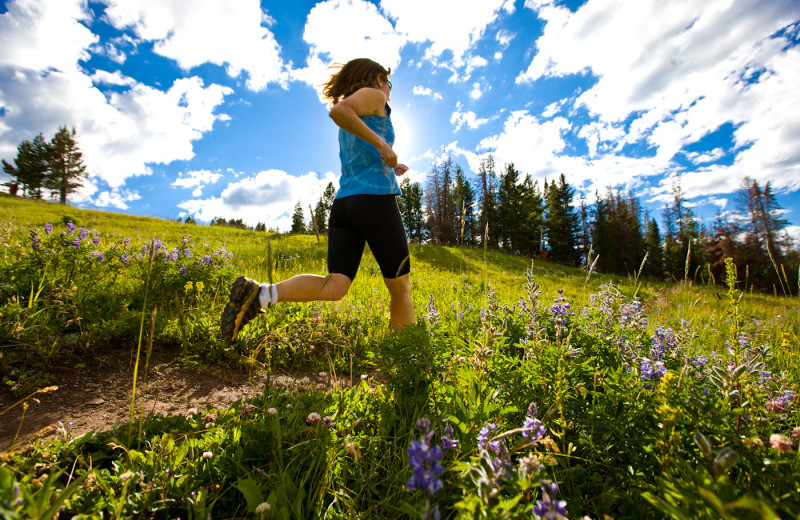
{"points": [[312, 287], [401, 306]]}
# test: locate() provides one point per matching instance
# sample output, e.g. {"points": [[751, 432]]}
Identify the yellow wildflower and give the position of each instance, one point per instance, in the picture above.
{"points": [[200, 286], [188, 286]]}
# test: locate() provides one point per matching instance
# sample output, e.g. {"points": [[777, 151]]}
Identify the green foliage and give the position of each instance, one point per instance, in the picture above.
{"points": [[629, 398]]}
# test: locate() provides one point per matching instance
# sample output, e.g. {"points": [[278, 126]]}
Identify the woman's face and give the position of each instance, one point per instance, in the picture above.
{"points": [[386, 86]]}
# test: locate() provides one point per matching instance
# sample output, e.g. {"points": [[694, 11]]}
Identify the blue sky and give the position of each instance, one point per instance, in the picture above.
{"points": [[211, 108]]}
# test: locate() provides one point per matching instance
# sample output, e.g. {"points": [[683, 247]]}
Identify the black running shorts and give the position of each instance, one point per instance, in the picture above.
{"points": [[371, 219]]}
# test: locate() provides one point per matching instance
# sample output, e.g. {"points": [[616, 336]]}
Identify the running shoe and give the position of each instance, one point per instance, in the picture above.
{"points": [[243, 306]]}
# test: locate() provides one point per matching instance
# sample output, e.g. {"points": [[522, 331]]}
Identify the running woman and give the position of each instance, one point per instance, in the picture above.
{"points": [[364, 210]]}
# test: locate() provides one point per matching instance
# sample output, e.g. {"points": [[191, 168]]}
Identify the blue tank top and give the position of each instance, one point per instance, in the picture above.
{"points": [[363, 171]]}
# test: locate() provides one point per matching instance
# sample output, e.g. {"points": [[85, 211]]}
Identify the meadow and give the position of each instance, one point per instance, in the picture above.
{"points": [[525, 390]]}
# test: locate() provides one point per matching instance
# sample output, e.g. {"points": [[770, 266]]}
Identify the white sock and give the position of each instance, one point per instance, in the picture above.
{"points": [[268, 296]]}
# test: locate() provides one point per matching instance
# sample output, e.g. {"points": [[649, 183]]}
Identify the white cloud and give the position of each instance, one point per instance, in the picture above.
{"points": [[116, 198], [207, 31], [454, 25], [476, 92], [341, 30], [196, 178], [685, 70], [121, 132], [706, 157], [44, 34], [268, 196], [112, 78], [419, 90], [459, 119]]}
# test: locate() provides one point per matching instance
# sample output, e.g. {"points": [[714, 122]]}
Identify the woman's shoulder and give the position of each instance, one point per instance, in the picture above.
{"points": [[367, 101]]}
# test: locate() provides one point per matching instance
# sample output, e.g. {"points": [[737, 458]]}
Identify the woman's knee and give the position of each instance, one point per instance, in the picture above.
{"points": [[337, 286], [400, 286]]}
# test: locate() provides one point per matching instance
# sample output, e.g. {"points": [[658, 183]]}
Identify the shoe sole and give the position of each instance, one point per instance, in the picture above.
{"points": [[233, 316]]}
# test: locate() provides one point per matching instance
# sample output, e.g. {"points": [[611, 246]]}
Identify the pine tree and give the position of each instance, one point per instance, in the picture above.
{"points": [[655, 253], [323, 209], [532, 209], [603, 237], [561, 223], [30, 166], [509, 210], [486, 189], [439, 204], [298, 224], [67, 170], [463, 203], [410, 204]]}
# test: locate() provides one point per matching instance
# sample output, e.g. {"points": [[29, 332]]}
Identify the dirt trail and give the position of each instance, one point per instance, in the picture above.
{"points": [[98, 396]]}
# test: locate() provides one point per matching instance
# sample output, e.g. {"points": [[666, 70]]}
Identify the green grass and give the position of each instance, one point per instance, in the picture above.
{"points": [[684, 440]]}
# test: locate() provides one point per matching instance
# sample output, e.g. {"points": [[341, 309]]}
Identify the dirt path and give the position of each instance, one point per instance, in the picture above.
{"points": [[98, 396]]}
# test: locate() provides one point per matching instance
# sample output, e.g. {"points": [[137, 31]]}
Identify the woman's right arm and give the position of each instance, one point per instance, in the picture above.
{"points": [[364, 102]]}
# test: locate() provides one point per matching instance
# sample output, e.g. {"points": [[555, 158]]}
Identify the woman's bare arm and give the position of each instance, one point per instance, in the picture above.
{"points": [[364, 102]]}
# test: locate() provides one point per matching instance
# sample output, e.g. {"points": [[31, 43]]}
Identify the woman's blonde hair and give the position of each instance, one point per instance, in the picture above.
{"points": [[353, 75]]}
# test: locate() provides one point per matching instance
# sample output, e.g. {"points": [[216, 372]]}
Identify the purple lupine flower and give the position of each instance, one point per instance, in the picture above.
{"points": [[448, 442], [126, 242], [483, 435], [76, 243], [125, 259], [433, 314], [157, 244], [786, 399], [70, 227], [206, 260], [560, 309], [186, 239], [96, 241], [36, 243], [548, 508], [48, 228], [663, 342], [534, 429], [652, 370], [83, 233], [97, 256], [174, 255], [765, 377], [187, 252], [632, 316], [182, 270], [424, 460], [699, 362]]}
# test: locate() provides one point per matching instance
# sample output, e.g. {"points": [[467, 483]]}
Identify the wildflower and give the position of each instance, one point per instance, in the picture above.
{"points": [[174, 255], [483, 435], [126, 242], [650, 370], [48, 228], [35, 242], [246, 408], [83, 233], [96, 241], [313, 418], [327, 422], [207, 454], [188, 286], [127, 476], [796, 433], [182, 270], [530, 464], [753, 443], [561, 309], [448, 442], [191, 411], [289, 406], [200, 286], [76, 243], [663, 342], [70, 227], [699, 362], [272, 411], [262, 508], [207, 259], [424, 461], [533, 427], [187, 252], [125, 259], [96, 256], [433, 314], [547, 507], [780, 442], [786, 399]]}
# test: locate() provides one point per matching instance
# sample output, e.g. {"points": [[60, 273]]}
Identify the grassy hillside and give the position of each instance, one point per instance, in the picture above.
{"points": [[526, 389]]}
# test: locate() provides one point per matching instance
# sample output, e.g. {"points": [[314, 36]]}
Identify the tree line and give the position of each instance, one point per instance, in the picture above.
{"points": [[55, 165], [509, 212]]}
